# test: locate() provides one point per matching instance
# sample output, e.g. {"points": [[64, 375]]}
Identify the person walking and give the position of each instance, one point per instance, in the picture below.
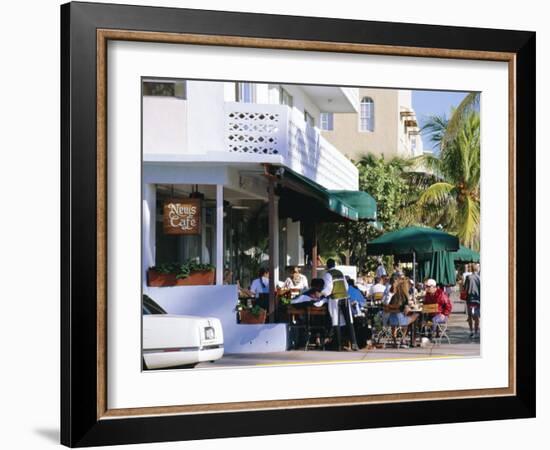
{"points": [[472, 286], [380, 270], [336, 290]]}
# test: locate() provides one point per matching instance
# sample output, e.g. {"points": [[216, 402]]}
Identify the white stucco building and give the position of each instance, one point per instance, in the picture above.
{"points": [[255, 156]]}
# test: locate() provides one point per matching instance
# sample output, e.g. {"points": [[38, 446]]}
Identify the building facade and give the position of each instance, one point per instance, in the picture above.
{"points": [[253, 157], [384, 125]]}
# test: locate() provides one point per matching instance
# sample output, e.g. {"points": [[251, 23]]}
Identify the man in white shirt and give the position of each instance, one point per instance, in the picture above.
{"points": [[336, 289], [377, 288]]}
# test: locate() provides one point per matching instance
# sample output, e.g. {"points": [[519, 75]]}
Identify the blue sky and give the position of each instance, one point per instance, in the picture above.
{"points": [[434, 103]]}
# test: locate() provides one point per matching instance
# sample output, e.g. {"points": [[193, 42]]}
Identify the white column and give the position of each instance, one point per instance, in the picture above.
{"points": [[219, 234], [273, 219], [276, 268], [148, 227]]}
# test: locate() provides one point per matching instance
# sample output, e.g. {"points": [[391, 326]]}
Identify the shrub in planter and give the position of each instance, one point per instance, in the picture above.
{"points": [[190, 273], [254, 315]]}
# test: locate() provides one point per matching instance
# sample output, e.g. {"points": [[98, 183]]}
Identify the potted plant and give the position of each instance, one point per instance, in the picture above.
{"points": [[190, 273], [251, 314]]}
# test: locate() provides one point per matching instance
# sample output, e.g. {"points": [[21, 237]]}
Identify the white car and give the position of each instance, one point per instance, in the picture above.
{"points": [[178, 341]]}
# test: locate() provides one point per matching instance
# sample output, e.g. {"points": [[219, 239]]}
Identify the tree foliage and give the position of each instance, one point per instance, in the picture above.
{"points": [[456, 194], [393, 188]]}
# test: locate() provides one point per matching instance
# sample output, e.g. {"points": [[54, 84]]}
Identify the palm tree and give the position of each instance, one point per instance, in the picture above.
{"points": [[468, 104], [453, 201]]}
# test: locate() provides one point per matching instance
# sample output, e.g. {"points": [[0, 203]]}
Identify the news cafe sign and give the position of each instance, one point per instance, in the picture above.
{"points": [[182, 216]]}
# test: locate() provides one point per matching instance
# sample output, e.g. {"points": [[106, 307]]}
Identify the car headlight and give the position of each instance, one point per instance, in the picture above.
{"points": [[209, 333]]}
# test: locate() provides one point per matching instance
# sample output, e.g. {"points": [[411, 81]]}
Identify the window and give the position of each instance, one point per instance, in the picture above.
{"points": [[245, 93], [327, 121], [286, 98], [308, 118], [367, 114], [149, 306], [165, 89], [413, 143]]}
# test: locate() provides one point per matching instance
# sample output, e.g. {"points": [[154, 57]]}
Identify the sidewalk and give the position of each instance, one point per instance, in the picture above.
{"points": [[461, 347]]}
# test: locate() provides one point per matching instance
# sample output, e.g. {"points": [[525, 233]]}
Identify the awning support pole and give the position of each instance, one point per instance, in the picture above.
{"points": [[314, 252], [414, 272], [273, 248], [219, 234]]}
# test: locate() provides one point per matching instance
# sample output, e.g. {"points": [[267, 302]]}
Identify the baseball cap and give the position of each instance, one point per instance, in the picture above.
{"points": [[431, 282]]}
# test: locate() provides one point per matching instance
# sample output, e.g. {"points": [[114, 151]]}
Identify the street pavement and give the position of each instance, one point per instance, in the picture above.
{"points": [[462, 346]]}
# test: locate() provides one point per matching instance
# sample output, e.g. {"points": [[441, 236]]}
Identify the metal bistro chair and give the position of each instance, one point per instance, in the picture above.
{"points": [[384, 333], [440, 329], [389, 332]]}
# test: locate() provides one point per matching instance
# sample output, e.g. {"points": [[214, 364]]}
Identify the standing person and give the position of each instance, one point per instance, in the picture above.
{"points": [[467, 272], [397, 272], [472, 286], [380, 270], [336, 289]]}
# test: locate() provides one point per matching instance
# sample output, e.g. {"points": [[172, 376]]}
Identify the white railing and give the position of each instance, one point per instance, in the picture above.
{"points": [[256, 129], [276, 130]]}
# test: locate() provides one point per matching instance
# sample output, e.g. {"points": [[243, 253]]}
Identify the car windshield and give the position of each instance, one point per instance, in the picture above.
{"points": [[149, 306]]}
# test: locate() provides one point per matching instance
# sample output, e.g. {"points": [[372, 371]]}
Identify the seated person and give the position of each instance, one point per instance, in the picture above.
{"points": [[311, 297], [260, 288], [296, 281], [364, 283], [356, 298], [400, 298], [436, 295], [376, 292]]}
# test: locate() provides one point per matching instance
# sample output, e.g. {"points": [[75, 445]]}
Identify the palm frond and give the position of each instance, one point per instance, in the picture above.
{"points": [[467, 105], [435, 129], [436, 194]]}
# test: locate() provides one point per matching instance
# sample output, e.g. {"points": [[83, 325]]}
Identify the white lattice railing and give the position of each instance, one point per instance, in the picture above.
{"points": [[256, 129], [276, 130]]}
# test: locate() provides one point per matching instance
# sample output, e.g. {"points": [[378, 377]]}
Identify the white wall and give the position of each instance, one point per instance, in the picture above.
{"points": [[164, 125], [206, 117], [219, 302], [294, 244], [301, 103]]}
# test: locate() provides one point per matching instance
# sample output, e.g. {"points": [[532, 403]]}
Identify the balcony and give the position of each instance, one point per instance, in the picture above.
{"points": [[262, 129]]}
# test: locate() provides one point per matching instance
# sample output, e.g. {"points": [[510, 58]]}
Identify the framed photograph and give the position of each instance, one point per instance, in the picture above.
{"points": [[278, 224]]}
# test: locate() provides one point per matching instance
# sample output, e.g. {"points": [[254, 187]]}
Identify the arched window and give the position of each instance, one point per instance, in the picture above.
{"points": [[366, 122]]}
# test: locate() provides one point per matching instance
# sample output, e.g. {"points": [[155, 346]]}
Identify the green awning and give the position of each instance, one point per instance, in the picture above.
{"points": [[364, 203], [303, 199]]}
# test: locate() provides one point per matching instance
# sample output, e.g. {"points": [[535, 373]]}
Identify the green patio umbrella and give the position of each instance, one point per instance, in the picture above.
{"points": [[412, 240], [466, 255], [416, 241], [439, 266]]}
